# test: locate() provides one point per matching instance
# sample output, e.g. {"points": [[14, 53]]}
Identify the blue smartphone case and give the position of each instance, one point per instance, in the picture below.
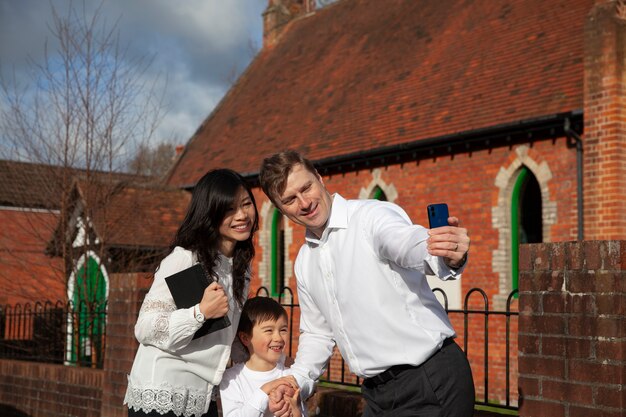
{"points": [[437, 215]]}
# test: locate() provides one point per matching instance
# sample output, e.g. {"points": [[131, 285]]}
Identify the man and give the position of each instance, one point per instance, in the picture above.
{"points": [[362, 285]]}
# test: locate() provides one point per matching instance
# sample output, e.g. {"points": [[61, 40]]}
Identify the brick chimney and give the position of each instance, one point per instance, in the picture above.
{"points": [[279, 13], [604, 141]]}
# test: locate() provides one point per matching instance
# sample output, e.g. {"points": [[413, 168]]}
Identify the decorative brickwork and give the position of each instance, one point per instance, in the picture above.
{"points": [[572, 329]]}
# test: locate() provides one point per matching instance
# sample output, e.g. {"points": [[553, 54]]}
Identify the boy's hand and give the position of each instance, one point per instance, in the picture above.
{"points": [[294, 403], [449, 242]]}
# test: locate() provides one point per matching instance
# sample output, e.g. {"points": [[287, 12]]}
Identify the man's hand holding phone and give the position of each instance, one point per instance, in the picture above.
{"points": [[447, 239]]}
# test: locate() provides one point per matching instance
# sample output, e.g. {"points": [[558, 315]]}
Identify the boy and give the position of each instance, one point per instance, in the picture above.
{"points": [[245, 387]]}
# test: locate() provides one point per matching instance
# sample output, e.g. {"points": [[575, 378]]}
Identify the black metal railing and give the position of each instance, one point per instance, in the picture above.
{"points": [[503, 399], [64, 333], [54, 333]]}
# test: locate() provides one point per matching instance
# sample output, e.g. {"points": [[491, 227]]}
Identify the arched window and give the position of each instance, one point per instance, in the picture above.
{"points": [[526, 218], [86, 328], [278, 254], [378, 194]]}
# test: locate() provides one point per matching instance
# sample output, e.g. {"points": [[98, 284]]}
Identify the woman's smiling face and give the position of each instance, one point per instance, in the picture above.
{"points": [[237, 223]]}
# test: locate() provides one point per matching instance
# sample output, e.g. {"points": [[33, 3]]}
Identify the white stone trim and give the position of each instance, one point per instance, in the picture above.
{"points": [[265, 241], [501, 215], [70, 295], [389, 189]]}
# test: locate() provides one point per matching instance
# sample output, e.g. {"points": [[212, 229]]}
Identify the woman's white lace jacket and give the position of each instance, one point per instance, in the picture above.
{"points": [[172, 372]]}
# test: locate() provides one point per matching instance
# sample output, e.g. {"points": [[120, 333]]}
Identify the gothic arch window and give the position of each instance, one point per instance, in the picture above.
{"points": [[88, 290], [378, 189], [526, 224], [524, 212], [275, 237]]}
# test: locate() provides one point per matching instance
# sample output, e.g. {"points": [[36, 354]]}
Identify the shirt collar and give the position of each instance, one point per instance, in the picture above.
{"points": [[338, 219]]}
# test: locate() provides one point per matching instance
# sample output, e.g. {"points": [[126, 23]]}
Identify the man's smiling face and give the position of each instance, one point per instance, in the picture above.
{"points": [[305, 200]]}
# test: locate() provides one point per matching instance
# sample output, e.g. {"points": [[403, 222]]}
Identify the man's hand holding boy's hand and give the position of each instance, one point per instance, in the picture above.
{"points": [[281, 391], [286, 384], [449, 242]]}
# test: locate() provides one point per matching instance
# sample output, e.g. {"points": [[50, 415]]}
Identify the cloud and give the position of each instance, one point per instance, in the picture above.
{"points": [[200, 46]]}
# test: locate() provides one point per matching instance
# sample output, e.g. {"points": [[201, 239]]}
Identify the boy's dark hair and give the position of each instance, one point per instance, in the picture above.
{"points": [[257, 310], [275, 170]]}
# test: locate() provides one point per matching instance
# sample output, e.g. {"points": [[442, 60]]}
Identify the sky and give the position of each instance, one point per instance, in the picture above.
{"points": [[198, 47]]}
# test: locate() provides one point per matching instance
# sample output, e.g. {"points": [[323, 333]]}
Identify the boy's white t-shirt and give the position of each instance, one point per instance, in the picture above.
{"points": [[241, 394]]}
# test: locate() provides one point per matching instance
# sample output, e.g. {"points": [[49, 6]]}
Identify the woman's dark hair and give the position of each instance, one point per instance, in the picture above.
{"points": [[211, 199], [257, 310]]}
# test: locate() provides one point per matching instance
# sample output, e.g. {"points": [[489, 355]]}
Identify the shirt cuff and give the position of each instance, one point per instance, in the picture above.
{"points": [[306, 385], [448, 273], [192, 319], [259, 400]]}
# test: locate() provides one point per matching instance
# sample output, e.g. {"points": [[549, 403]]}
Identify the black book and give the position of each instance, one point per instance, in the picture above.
{"points": [[187, 288]]}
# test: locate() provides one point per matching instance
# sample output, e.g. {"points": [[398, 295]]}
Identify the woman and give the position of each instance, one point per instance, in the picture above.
{"points": [[173, 374]]}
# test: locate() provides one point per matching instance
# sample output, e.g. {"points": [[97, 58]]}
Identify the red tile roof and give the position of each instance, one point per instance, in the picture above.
{"points": [[135, 216], [363, 74], [33, 185]]}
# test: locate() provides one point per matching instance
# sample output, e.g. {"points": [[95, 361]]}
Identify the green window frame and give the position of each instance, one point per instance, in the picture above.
{"points": [[525, 208], [277, 254], [89, 318]]}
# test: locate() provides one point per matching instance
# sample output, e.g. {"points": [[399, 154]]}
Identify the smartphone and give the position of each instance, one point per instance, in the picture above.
{"points": [[437, 215]]}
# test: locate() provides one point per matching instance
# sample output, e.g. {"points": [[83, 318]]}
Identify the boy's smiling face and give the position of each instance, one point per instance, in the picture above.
{"points": [[267, 343]]}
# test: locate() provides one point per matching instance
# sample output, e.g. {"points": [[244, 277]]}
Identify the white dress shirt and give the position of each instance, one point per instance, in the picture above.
{"points": [[363, 286], [172, 372]]}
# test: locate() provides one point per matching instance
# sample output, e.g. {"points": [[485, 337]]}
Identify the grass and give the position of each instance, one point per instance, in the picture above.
{"points": [[339, 386], [503, 411]]}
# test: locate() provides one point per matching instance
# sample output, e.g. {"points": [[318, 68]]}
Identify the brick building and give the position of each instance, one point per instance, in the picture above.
{"points": [[479, 105], [510, 112], [54, 228]]}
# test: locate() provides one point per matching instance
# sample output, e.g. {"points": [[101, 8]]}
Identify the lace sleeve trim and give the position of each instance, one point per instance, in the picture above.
{"points": [[161, 311]]}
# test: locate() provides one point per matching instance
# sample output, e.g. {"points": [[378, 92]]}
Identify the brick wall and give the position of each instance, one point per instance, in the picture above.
{"points": [[42, 390], [125, 298], [480, 181], [572, 329], [36, 389]]}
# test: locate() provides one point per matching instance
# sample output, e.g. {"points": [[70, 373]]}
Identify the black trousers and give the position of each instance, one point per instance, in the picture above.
{"points": [[440, 387], [211, 413]]}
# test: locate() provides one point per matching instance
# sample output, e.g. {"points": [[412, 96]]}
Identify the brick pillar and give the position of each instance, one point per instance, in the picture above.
{"points": [[604, 140], [572, 329], [280, 12], [125, 297]]}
